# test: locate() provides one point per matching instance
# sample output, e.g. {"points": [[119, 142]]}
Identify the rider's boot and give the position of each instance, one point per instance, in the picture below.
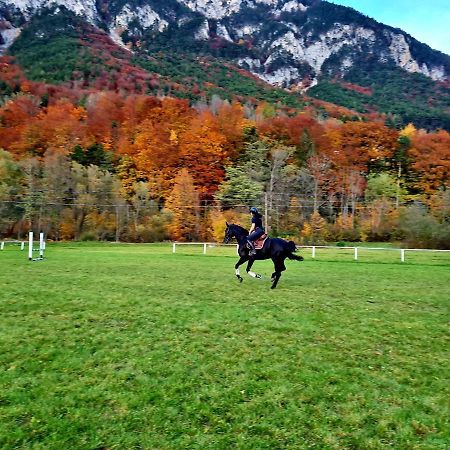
{"points": [[251, 246]]}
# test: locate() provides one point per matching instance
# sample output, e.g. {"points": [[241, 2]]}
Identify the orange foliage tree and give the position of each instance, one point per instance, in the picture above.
{"points": [[183, 204], [363, 146], [431, 155], [104, 115], [15, 115], [150, 135], [59, 128], [355, 150], [203, 153], [232, 124]]}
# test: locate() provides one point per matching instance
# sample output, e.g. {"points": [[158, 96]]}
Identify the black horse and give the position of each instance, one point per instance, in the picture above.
{"points": [[274, 248]]}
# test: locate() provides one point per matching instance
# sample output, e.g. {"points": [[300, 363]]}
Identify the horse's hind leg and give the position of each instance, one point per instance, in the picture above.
{"points": [[249, 266], [275, 278], [279, 267]]}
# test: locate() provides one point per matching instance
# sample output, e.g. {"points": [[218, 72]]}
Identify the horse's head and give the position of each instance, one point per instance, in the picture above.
{"points": [[234, 231], [229, 233]]}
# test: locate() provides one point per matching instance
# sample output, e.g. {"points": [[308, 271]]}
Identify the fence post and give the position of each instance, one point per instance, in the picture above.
{"points": [[22, 245], [174, 247], [356, 253], [204, 249], [313, 251], [30, 245], [2, 246], [402, 254]]}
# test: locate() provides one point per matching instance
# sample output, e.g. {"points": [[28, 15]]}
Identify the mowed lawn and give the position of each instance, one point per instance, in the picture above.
{"points": [[116, 346]]}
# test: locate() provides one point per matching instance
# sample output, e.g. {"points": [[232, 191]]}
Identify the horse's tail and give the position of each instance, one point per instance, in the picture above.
{"points": [[293, 248]]}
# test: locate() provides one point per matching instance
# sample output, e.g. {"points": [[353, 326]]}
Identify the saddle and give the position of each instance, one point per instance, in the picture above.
{"points": [[259, 243]]}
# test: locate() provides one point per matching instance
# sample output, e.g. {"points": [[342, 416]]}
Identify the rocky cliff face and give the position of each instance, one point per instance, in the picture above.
{"points": [[285, 42]]}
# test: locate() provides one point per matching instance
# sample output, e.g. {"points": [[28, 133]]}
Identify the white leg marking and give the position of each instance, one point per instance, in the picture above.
{"points": [[252, 274], [238, 272]]}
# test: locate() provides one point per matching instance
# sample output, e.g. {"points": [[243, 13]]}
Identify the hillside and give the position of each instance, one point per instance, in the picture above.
{"points": [[61, 48], [244, 50], [404, 97]]}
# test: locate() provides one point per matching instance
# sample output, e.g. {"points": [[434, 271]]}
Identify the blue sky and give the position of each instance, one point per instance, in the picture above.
{"points": [[426, 20]]}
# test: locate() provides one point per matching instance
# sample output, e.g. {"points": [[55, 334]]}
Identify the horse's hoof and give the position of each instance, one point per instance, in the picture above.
{"points": [[272, 287], [240, 279], [258, 275]]}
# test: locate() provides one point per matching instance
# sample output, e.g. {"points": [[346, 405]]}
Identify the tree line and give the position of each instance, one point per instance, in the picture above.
{"points": [[142, 168]]}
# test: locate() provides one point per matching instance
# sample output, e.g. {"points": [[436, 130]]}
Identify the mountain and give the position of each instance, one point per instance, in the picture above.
{"points": [[332, 53]]}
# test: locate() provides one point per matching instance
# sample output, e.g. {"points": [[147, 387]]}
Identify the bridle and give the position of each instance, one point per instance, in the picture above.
{"points": [[228, 236]]}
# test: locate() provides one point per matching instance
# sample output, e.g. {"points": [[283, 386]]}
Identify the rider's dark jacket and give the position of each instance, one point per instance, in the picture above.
{"points": [[259, 229]]}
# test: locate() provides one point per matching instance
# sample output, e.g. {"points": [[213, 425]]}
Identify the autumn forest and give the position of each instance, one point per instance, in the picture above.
{"points": [[103, 165]]}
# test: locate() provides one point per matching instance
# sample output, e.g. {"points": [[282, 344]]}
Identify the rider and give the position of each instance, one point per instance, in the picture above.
{"points": [[256, 230]]}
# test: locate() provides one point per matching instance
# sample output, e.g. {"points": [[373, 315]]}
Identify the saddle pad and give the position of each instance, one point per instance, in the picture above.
{"points": [[259, 243]]}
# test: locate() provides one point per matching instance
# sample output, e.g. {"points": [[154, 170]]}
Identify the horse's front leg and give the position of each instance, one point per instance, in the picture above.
{"points": [[249, 266], [242, 260]]}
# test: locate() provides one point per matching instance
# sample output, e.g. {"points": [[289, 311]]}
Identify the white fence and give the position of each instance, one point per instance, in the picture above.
{"points": [[315, 248], [205, 245], [21, 243], [356, 250]]}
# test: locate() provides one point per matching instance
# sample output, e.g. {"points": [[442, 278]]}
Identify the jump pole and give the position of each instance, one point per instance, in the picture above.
{"points": [[41, 245]]}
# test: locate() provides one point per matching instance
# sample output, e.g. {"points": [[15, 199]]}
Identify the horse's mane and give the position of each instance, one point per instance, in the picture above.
{"points": [[242, 230]]}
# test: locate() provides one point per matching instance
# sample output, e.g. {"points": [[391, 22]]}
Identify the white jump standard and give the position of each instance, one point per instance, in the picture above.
{"points": [[40, 249]]}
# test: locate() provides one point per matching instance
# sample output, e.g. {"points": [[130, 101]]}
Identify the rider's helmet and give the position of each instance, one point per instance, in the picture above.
{"points": [[254, 210]]}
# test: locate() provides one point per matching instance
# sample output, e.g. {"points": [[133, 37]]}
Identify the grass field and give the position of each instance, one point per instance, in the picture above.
{"points": [[109, 346]]}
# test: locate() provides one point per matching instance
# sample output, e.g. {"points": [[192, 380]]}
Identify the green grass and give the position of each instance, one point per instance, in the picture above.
{"points": [[109, 346]]}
